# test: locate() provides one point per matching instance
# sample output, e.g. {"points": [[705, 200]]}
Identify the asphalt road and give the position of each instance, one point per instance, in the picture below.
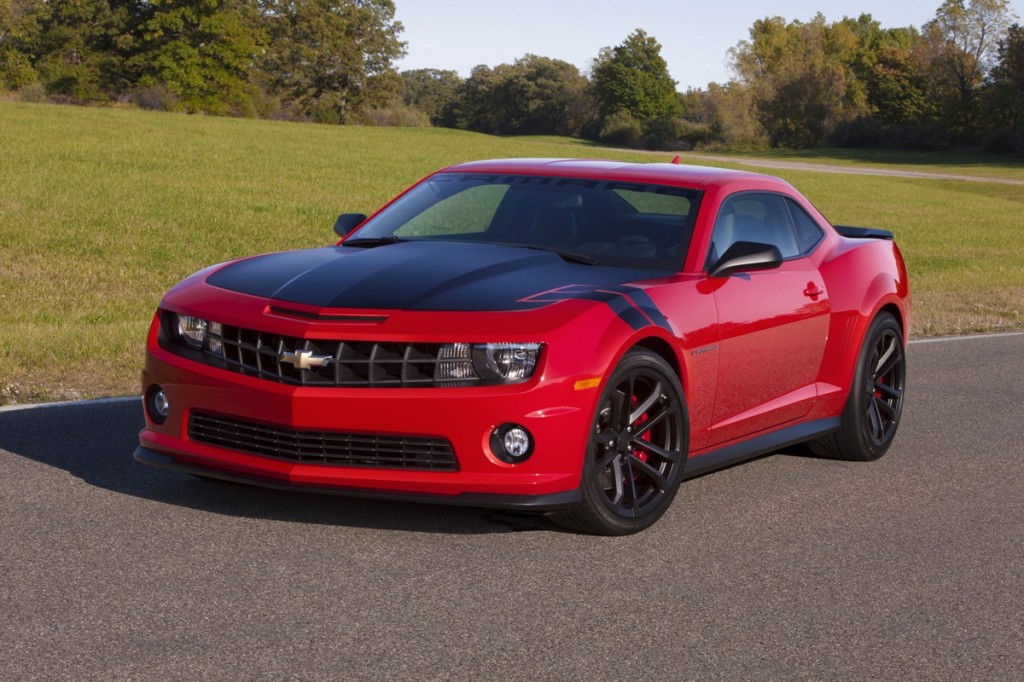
{"points": [[788, 567]]}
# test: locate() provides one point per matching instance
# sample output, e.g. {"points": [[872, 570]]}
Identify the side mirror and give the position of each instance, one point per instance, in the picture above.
{"points": [[743, 256], [347, 222]]}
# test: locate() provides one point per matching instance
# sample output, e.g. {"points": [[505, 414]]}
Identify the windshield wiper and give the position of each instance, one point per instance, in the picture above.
{"points": [[370, 242], [578, 258], [567, 256]]}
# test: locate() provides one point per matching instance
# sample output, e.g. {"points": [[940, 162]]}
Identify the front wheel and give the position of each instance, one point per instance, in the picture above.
{"points": [[637, 449], [873, 409]]}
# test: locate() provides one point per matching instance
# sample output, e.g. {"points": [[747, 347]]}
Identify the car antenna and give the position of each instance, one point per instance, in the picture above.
{"points": [[676, 160]]}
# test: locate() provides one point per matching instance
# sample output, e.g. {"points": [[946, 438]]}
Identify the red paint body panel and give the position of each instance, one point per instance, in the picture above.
{"points": [[755, 353]]}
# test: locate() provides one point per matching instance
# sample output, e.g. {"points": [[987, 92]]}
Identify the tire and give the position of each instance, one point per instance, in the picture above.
{"points": [[635, 457], [872, 413]]}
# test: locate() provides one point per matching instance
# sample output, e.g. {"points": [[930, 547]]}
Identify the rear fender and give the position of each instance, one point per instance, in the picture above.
{"points": [[849, 332], [854, 308]]}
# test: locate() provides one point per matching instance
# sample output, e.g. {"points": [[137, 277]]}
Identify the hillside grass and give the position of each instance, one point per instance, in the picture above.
{"points": [[101, 211]]}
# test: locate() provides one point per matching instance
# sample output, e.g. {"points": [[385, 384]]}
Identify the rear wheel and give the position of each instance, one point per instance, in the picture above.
{"points": [[637, 449], [873, 409]]}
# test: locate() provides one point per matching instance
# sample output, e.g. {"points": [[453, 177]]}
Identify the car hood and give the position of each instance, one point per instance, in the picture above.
{"points": [[451, 276]]}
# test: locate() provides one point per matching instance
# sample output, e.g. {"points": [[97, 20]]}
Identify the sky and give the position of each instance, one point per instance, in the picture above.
{"points": [[695, 36]]}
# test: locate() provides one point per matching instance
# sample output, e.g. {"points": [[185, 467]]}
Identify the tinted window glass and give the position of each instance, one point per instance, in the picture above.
{"points": [[659, 202], [753, 217], [808, 233], [625, 224], [464, 213]]}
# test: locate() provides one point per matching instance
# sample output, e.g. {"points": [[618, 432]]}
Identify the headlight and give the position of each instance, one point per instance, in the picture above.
{"points": [[507, 361], [489, 362], [191, 331], [199, 334]]}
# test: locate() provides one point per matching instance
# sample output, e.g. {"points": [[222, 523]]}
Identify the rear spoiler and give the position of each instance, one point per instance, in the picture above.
{"points": [[863, 232]]}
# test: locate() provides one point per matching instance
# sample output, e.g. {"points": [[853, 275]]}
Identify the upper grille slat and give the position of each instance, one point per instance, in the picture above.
{"points": [[323, 447], [351, 364]]}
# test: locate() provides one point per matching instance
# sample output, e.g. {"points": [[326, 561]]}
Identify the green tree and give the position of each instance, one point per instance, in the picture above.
{"points": [[77, 52], [201, 51], [475, 102], [801, 79], [1005, 94], [559, 96], [724, 115], [633, 78], [533, 95], [21, 23], [964, 37], [331, 60], [892, 65], [432, 91]]}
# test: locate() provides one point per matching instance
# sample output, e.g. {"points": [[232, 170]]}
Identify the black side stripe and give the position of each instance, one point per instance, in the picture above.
{"points": [[644, 302], [631, 304]]}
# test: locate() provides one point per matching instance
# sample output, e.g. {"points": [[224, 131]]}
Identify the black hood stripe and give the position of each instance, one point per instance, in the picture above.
{"points": [[434, 275]]}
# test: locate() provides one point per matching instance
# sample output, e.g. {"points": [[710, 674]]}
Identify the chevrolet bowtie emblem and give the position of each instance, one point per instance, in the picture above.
{"points": [[304, 359]]}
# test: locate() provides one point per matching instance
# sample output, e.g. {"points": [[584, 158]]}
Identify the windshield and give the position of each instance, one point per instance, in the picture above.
{"points": [[602, 222]]}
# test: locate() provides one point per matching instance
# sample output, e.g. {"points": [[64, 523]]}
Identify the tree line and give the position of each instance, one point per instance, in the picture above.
{"points": [[957, 81], [318, 60]]}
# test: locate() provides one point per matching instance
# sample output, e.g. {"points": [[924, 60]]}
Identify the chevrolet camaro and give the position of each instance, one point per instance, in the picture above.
{"points": [[569, 337]]}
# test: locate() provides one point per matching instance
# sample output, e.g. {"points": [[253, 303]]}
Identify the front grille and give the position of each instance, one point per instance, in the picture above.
{"points": [[323, 447], [344, 363]]}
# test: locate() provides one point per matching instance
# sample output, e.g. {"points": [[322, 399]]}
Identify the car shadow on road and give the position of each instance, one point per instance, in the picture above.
{"points": [[94, 442]]}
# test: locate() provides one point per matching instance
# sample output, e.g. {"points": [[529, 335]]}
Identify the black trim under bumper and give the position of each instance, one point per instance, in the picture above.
{"points": [[540, 503]]}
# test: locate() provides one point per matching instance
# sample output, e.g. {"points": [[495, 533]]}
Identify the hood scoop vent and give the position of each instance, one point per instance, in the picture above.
{"points": [[327, 317]]}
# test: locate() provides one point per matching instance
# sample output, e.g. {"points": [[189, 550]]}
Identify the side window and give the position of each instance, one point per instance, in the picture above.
{"points": [[808, 232], [753, 217], [766, 218]]}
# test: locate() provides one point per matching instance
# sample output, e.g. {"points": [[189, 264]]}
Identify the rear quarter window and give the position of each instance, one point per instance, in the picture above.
{"points": [[808, 232]]}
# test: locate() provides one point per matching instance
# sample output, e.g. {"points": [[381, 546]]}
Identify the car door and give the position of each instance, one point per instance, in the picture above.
{"points": [[773, 323]]}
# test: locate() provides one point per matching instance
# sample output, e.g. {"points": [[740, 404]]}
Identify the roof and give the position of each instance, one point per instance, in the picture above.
{"points": [[669, 173]]}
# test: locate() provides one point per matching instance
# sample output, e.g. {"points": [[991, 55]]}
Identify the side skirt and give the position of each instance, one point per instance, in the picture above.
{"points": [[762, 445]]}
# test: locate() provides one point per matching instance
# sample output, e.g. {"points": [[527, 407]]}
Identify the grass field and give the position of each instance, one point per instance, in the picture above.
{"points": [[101, 211]]}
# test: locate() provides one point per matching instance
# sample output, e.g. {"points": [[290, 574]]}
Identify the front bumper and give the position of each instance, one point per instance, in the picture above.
{"points": [[556, 414]]}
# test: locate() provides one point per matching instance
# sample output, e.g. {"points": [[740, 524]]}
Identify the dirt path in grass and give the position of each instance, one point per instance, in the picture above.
{"points": [[849, 170], [845, 170]]}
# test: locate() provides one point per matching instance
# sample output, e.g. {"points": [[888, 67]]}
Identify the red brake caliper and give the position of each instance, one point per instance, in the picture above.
{"points": [[640, 454]]}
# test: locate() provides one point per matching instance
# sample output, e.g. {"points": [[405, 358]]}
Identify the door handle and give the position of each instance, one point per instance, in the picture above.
{"points": [[813, 290]]}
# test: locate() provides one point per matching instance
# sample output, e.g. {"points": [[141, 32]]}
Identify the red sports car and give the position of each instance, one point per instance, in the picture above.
{"points": [[572, 337]]}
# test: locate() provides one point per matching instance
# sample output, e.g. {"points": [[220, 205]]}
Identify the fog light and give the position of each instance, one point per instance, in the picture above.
{"points": [[511, 443], [157, 404]]}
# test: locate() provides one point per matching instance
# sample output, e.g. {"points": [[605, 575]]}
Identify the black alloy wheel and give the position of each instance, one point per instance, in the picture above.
{"points": [[885, 387], [637, 450], [873, 409]]}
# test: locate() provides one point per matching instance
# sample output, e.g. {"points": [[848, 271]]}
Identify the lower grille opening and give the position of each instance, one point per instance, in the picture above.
{"points": [[323, 447]]}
